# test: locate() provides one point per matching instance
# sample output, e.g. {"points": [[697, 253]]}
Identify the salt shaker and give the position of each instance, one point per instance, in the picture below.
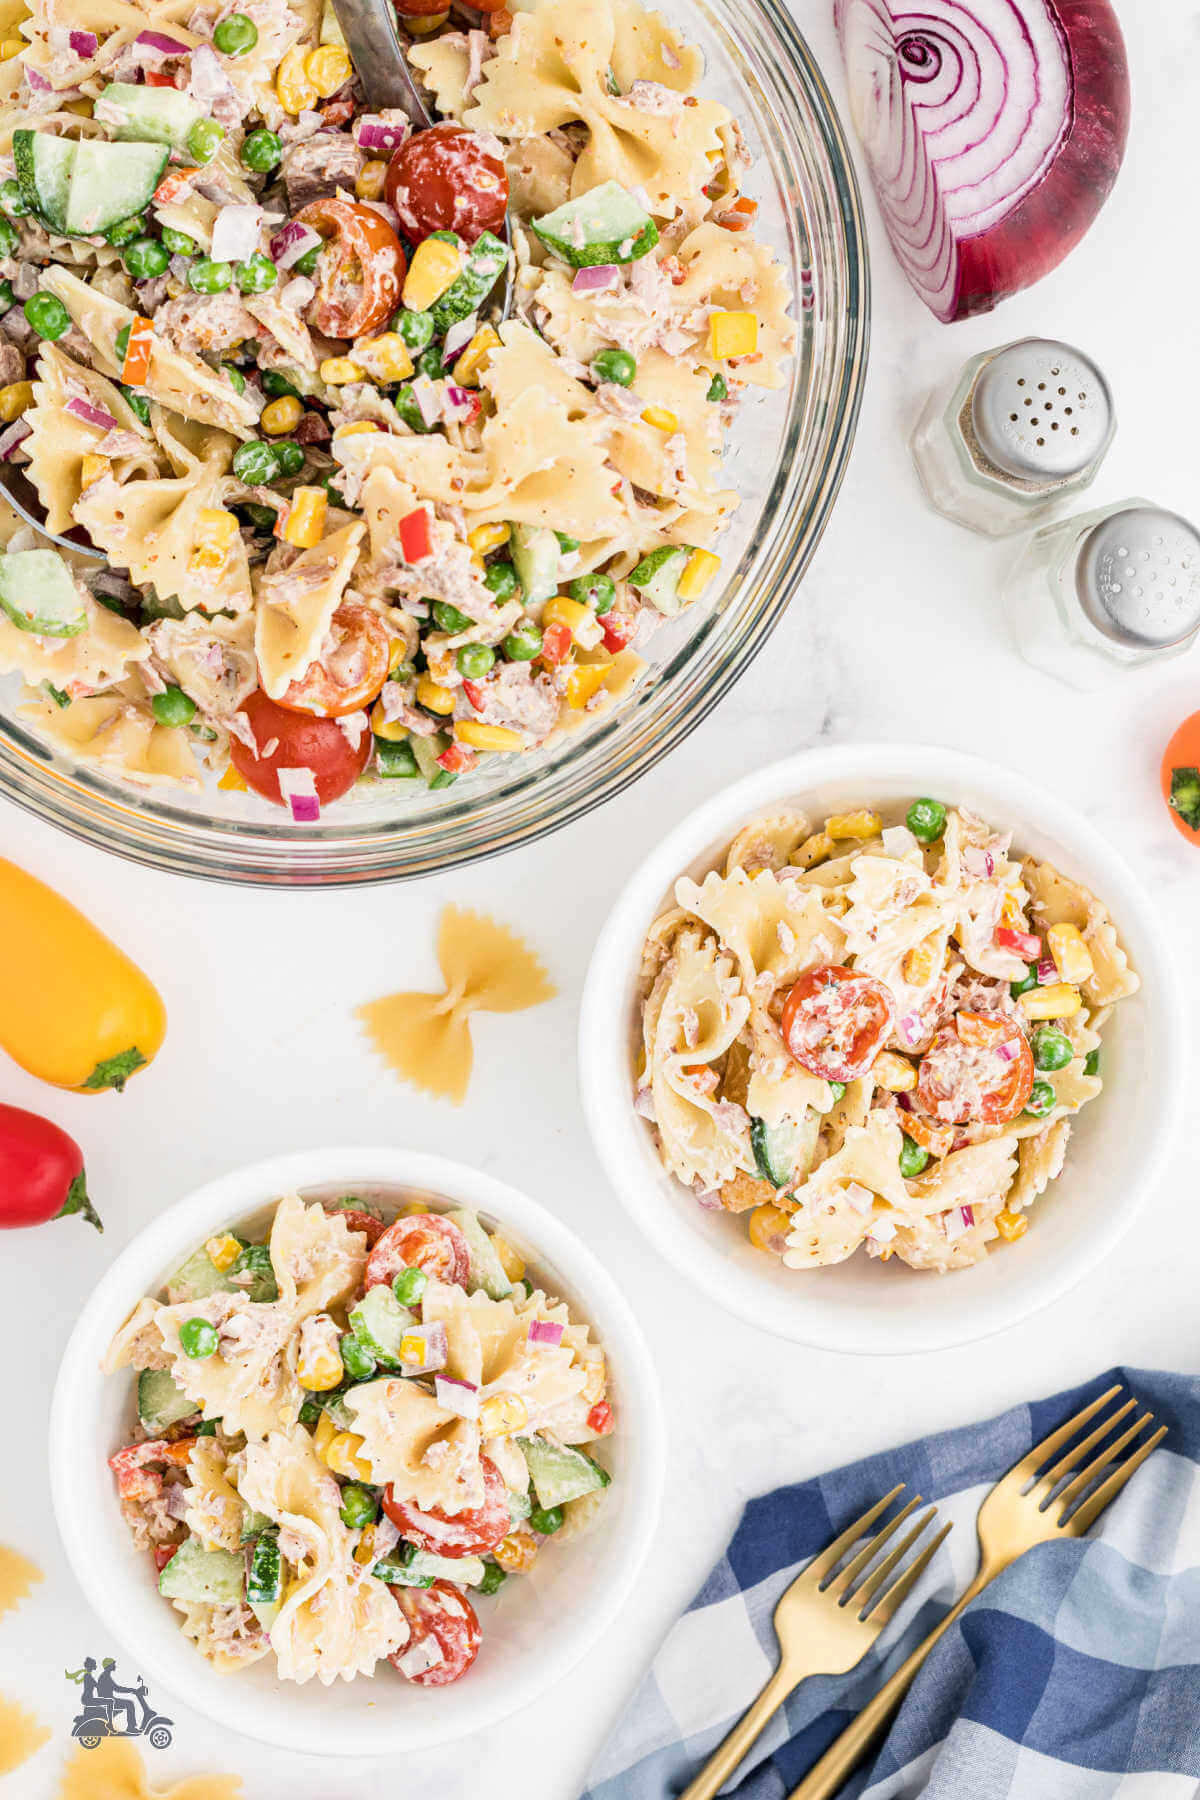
{"points": [[1022, 430], [1105, 591]]}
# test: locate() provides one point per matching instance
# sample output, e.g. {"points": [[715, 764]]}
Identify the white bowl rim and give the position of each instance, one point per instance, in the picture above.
{"points": [[240, 1192], [603, 1040]]}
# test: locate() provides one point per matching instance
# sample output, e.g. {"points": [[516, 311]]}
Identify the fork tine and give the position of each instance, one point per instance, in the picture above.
{"points": [[841, 1584], [1070, 1458], [1108, 1455], [1090, 1511], [1032, 1462], [877, 1577], [821, 1565], [886, 1609]]}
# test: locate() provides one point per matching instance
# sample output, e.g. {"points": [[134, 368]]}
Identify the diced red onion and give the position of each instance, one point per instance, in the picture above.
{"points": [[978, 862], [158, 40], [881, 1232], [459, 336], [958, 1220], [299, 788], [290, 244], [84, 43], [92, 415], [994, 133], [373, 133], [1007, 1051], [235, 233], [12, 437], [1047, 972], [710, 1200], [36, 79], [460, 404], [430, 399], [599, 275], [905, 1102], [545, 1331], [460, 1397], [434, 1348], [910, 1029], [860, 1198]]}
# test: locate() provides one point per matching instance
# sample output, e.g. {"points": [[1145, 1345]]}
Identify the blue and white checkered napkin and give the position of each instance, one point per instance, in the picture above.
{"points": [[1075, 1676]]}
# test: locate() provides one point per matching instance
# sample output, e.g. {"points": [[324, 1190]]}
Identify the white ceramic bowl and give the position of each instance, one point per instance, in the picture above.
{"points": [[533, 1633], [1117, 1149]]}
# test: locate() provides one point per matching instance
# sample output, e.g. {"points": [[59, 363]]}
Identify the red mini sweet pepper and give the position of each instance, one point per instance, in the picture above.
{"points": [[41, 1172]]}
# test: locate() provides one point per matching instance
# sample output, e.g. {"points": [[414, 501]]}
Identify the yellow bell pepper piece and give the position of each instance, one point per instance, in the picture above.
{"points": [[223, 1251], [579, 620], [15, 399], [488, 737], [732, 334], [1059, 1001], [368, 183], [306, 520], [74, 1010], [510, 1262], [435, 267], [93, 468], [233, 783], [1011, 1226], [435, 698], [476, 356], [585, 680], [1072, 958], [698, 571], [390, 730], [384, 358]]}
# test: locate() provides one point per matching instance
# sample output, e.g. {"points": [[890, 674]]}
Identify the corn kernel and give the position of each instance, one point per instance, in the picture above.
{"points": [[917, 967], [328, 69], [502, 1414], [364, 1550], [435, 266], [497, 738], [324, 1435], [768, 1226], [854, 825], [10, 47], [661, 418], [390, 730], [15, 399], [281, 416], [1011, 916], [510, 1262], [306, 520], [895, 1073], [1059, 1001], [698, 571], [489, 537], [341, 1455], [368, 183], [321, 1372], [336, 371], [579, 620], [585, 680], [476, 357], [1072, 958], [216, 530], [354, 429], [435, 698], [385, 358], [813, 850], [732, 334], [1011, 1226], [294, 91], [223, 1251], [233, 783], [93, 468], [517, 1551]]}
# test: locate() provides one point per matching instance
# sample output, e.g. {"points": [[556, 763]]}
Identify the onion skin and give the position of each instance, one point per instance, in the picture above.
{"points": [[1046, 223]]}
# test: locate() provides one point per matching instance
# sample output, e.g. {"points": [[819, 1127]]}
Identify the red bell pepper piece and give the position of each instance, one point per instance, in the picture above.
{"points": [[458, 759], [475, 695], [556, 644], [1021, 943], [174, 185], [41, 1172], [617, 632], [600, 1419], [415, 532]]}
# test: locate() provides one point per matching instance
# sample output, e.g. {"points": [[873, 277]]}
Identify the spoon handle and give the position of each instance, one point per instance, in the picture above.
{"points": [[373, 40]]}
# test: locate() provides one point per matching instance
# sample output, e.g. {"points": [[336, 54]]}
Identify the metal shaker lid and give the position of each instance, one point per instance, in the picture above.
{"points": [[1138, 578], [1042, 411]]}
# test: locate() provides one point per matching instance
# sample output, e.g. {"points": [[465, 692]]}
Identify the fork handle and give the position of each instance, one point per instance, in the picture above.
{"points": [[725, 1759], [847, 1751]]}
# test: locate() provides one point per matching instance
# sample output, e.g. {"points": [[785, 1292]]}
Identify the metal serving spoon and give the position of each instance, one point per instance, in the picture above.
{"points": [[22, 496]]}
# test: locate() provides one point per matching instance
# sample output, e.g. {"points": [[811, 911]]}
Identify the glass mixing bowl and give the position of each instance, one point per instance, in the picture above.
{"points": [[786, 458]]}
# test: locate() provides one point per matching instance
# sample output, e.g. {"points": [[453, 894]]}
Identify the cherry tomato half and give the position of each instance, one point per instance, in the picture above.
{"points": [[1181, 779], [439, 1612], [351, 670], [961, 1080], [360, 271], [836, 1021], [293, 740], [445, 179], [471, 1533], [424, 1241]]}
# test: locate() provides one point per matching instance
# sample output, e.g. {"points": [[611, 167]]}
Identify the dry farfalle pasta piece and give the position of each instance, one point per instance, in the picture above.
{"points": [[115, 1771], [21, 1735], [17, 1576], [426, 1038]]}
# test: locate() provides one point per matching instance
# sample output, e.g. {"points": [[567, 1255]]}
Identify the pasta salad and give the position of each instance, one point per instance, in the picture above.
{"points": [[399, 445], [875, 1036], [349, 1432]]}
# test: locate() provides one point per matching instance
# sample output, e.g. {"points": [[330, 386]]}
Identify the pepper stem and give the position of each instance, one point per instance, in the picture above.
{"points": [[77, 1202], [116, 1071]]}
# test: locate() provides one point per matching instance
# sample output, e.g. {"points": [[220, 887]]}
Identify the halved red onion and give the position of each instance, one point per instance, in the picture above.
{"points": [[545, 1332], [290, 244], [460, 1397], [373, 133], [83, 43], [995, 130], [158, 40], [591, 281], [299, 788], [235, 233], [12, 437], [92, 415]]}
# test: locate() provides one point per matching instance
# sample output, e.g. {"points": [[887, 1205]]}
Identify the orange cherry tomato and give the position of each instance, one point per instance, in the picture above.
{"points": [[360, 271], [961, 1079], [351, 671], [1181, 779], [836, 1021], [446, 179], [422, 1241], [293, 740]]}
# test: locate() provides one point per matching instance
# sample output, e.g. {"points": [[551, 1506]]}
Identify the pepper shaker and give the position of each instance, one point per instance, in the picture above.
{"points": [[1107, 590], [1022, 429]]}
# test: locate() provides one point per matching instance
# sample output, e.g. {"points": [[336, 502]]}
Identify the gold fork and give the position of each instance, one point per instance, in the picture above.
{"points": [[820, 1632], [1014, 1517]]}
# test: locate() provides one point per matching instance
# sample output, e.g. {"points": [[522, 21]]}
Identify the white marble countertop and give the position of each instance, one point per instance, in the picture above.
{"points": [[897, 632]]}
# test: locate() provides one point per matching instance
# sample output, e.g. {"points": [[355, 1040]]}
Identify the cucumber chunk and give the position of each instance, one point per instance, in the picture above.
{"points": [[605, 225], [264, 1581], [266, 1614], [776, 1148], [161, 1401], [253, 1524], [156, 115], [197, 1278], [379, 1322], [486, 1271], [558, 1473], [212, 1577], [537, 558], [485, 264], [111, 182], [43, 164], [38, 594], [657, 577], [423, 1565]]}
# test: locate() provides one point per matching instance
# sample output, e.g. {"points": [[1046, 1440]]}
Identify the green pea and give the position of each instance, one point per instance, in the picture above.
{"points": [[926, 819], [615, 365], [448, 618], [289, 457], [1092, 1065], [403, 671], [415, 328], [306, 264], [430, 363], [204, 139], [546, 1520], [1042, 1100], [145, 258], [12, 200], [523, 644], [359, 1507], [357, 1360], [236, 35], [501, 580], [596, 591], [310, 1412], [7, 297], [566, 543], [237, 380], [197, 1338], [474, 661], [255, 463], [1052, 1049], [406, 405], [276, 383], [912, 1159], [173, 707], [718, 389], [125, 230], [48, 316], [261, 517], [178, 242], [257, 274], [206, 1428], [1017, 988], [208, 277], [261, 150], [409, 1285], [494, 1578]]}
